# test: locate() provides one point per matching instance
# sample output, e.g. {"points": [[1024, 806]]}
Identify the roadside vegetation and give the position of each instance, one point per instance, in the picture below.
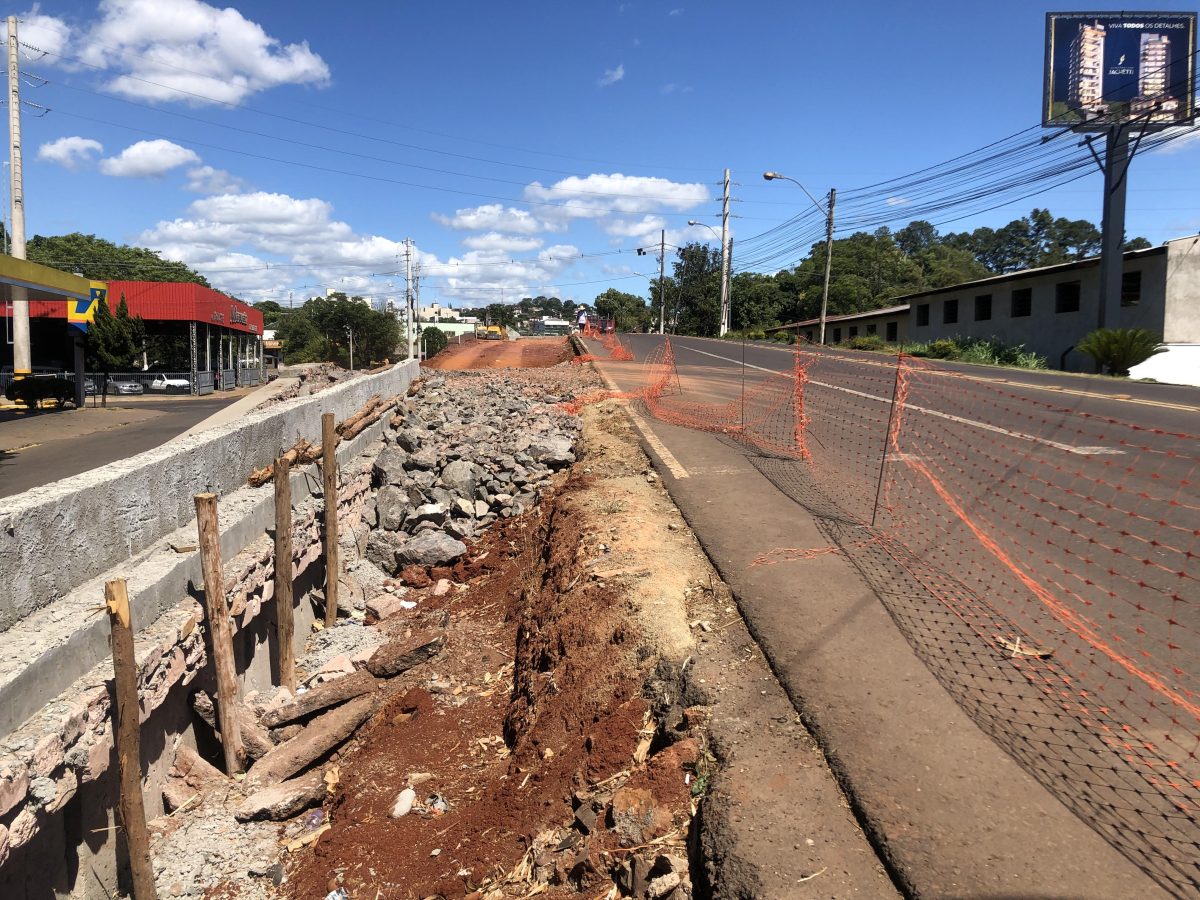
{"points": [[1117, 350], [321, 331]]}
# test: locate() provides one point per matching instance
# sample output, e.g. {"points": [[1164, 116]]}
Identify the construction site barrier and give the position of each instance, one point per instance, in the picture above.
{"points": [[1042, 560]]}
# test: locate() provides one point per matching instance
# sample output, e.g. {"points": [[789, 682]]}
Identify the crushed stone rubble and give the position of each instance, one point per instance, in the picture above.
{"points": [[466, 452]]}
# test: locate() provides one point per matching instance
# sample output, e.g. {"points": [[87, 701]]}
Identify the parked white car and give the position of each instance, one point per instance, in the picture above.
{"points": [[163, 383]]}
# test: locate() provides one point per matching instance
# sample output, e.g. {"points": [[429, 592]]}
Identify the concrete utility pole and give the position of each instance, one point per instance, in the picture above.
{"points": [[409, 318], [1112, 226], [22, 358], [828, 262], [723, 325], [662, 262]]}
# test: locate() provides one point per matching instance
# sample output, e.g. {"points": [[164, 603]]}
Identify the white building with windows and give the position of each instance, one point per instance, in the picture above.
{"points": [[1049, 309]]}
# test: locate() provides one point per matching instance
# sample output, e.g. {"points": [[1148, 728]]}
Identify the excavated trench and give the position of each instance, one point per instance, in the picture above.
{"points": [[545, 745]]}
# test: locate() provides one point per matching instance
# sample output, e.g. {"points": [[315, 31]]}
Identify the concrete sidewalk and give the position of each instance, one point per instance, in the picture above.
{"points": [[949, 812], [239, 408]]}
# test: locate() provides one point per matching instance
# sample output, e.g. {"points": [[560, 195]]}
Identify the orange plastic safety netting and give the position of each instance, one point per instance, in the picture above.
{"points": [[1043, 560]]}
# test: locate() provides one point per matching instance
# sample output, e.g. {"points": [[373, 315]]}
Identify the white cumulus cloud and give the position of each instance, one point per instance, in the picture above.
{"points": [[190, 46], [207, 180], [612, 76], [148, 159], [37, 30], [494, 240], [491, 216], [70, 152], [601, 195]]}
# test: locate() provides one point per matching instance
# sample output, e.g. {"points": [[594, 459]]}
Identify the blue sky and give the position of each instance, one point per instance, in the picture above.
{"points": [[527, 148]]}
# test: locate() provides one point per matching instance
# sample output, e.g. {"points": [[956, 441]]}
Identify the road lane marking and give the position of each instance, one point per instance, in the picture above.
{"points": [[985, 426], [1011, 382], [674, 466]]}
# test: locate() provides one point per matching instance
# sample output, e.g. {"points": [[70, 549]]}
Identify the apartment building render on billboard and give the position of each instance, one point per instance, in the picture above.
{"points": [[1153, 97], [1085, 79]]}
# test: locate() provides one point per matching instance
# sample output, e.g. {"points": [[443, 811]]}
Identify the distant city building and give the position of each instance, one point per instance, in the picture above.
{"points": [[437, 313], [1154, 99], [1085, 82]]}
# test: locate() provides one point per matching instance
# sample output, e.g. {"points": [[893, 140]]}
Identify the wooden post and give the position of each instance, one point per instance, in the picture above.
{"points": [[285, 626], [219, 631], [329, 441], [129, 741]]}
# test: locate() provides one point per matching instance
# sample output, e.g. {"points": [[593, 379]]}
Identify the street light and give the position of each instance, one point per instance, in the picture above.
{"points": [[726, 253], [771, 176]]}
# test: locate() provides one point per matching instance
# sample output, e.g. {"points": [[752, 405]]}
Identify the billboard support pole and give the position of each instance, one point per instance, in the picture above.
{"points": [[1112, 229]]}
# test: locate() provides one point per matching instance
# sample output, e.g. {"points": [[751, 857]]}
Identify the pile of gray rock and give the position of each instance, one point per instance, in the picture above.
{"points": [[462, 453]]}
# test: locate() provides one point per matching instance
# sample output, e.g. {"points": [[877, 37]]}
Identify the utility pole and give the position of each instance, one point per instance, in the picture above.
{"points": [[1112, 225], [22, 358], [723, 325], [828, 262], [408, 295], [662, 262]]}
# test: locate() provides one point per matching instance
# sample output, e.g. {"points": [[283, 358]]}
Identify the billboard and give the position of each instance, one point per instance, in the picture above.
{"points": [[1107, 68]]}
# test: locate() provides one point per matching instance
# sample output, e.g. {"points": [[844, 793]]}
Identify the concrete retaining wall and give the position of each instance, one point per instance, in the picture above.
{"points": [[55, 538], [58, 828]]}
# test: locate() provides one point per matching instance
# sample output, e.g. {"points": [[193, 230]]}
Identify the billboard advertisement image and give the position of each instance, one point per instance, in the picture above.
{"points": [[1107, 68]]}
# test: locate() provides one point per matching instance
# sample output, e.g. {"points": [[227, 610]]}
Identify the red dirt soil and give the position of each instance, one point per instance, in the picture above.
{"points": [[527, 353], [508, 738]]}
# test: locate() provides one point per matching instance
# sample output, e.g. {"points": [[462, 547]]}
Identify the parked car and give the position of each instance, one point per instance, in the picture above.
{"points": [[89, 387], [125, 387], [163, 383]]}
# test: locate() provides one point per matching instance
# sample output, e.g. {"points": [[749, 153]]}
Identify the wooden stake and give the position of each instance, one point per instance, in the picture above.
{"points": [[220, 631], [129, 741], [329, 442], [283, 574]]}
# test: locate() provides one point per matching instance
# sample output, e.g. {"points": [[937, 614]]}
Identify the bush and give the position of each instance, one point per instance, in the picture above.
{"points": [[942, 348], [980, 351], [865, 342], [1117, 350], [435, 341], [783, 337]]}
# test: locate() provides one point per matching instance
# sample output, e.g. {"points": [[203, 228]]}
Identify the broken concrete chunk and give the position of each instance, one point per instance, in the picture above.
{"points": [[392, 507], [14, 782], [461, 477], [431, 548], [389, 466], [284, 800]]}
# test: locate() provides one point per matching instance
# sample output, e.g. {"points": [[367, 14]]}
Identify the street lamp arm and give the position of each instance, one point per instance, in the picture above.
{"points": [[772, 176]]}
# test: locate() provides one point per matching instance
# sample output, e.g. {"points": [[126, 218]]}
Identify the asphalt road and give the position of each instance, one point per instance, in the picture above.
{"points": [[56, 457], [1017, 506]]}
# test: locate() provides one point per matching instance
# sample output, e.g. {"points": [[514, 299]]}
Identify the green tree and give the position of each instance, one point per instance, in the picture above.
{"points": [[111, 342], [500, 314], [756, 300], [320, 331], [271, 311], [693, 294], [103, 260], [628, 310]]}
